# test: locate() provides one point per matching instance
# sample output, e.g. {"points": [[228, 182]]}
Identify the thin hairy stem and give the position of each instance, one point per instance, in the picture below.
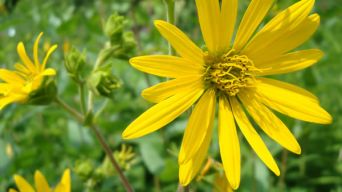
{"points": [[80, 118]]}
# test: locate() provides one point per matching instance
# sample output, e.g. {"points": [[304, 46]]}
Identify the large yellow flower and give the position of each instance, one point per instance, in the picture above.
{"points": [[28, 76], [41, 183], [232, 74]]}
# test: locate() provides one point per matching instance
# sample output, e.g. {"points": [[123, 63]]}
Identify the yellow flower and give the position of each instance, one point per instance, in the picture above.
{"points": [[28, 76], [231, 74], [41, 184]]}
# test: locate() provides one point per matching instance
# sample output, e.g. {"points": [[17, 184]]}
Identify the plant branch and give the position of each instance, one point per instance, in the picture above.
{"points": [[80, 118], [70, 110], [82, 97], [284, 156], [109, 153]]}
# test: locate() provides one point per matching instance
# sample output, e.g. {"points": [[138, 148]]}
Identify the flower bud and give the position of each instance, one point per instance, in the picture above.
{"points": [[114, 28], [74, 63], [127, 46], [125, 157], [84, 168], [103, 82]]}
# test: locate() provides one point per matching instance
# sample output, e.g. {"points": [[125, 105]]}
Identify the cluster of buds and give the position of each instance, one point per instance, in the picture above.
{"points": [[121, 42], [103, 82], [75, 62], [93, 175], [125, 157]]}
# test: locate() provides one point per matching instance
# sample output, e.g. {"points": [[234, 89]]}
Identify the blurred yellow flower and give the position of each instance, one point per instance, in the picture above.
{"points": [[41, 184], [231, 74], [66, 47], [9, 150], [28, 76]]}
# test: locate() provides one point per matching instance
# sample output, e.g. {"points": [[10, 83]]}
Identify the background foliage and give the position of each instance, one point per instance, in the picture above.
{"points": [[47, 139]]}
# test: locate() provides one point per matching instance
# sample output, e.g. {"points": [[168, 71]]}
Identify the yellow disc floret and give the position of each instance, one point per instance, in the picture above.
{"points": [[229, 72]]}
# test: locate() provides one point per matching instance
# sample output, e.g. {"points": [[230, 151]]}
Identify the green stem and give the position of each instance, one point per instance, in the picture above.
{"points": [[156, 184], [183, 188], [101, 140], [254, 179], [90, 102], [69, 109], [82, 97], [284, 156], [187, 188], [170, 5], [109, 153], [101, 109], [180, 188]]}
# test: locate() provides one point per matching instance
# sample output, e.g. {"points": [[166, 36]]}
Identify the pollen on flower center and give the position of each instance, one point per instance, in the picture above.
{"points": [[229, 72]]}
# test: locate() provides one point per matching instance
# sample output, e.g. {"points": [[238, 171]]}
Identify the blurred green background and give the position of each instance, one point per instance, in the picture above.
{"points": [[48, 139]]}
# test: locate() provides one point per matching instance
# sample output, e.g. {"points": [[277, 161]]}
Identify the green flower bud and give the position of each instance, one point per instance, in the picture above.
{"points": [[129, 41], [127, 46], [84, 168], [105, 169], [45, 95], [103, 82], [74, 63], [114, 28], [125, 157]]}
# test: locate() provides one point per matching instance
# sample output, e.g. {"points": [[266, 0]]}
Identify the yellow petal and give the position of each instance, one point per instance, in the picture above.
{"points": [[49, 52], [182, 44], [66, 181], [34, 85], [209, 18], [21, 68], [12, 190], [22, 184], [295, 89], [296, 37], [283, 23], [41, 183], [270, 123], [229, 144], [297, 105], [189, 170], [35, 50], [11, 77], [48, 72], [255, 13], [5, 88], [199, 126], [161, 114], [4, 101], [252, 136], [25, 59], [290, 62], [60, 188], [162, 91], [11, 94], [166, 66], [227, 23]]}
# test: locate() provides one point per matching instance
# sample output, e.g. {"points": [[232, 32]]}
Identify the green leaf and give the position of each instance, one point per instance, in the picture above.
{"points": [[151, 157], [170, 171]]}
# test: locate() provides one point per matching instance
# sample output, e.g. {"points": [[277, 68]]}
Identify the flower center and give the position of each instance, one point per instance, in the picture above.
{"points": [[229, 72]]}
